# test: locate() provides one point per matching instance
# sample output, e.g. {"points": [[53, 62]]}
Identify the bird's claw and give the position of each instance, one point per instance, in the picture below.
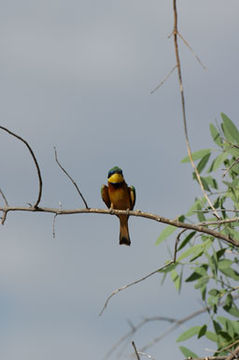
{"points": [[111, 210]]}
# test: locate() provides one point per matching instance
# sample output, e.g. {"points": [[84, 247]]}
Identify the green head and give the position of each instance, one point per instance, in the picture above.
{"points": [[115, 175], [115, 170]]}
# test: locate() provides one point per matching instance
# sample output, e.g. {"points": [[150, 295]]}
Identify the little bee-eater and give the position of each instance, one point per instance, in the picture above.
{"points": [[118, 195]]}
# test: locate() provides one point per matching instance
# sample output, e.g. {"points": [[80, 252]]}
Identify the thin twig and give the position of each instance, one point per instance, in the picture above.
{"points": [[4, 197], [234, 354], [136, 351], [193, 52], [133, 283], [174, 327], [176, 244], [54, 226], [210, 358], [163, 81], [175, 33], [180, 322], [230, 167], [73, 182], [35, 162], [135, 328], [4, 216], [146, 355]]}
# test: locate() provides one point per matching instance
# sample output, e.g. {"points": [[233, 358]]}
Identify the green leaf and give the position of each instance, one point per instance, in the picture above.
{"points": [[202, 282], [205, 183], [198, 202], [228, 325], [203, 162], [202, 331], [188, 353], [213, 292], [177, 279], [215, 135], [195, 250], [228, 301], [217, 326], [209, 181], [165, 233], [198, 273], [233, 311], [194, 276], [230, 273], [218, 161], [224, 263], [211, 336], [220, 253], [229, 129], [230, 307], [197, 155], [168, 269], [186, 240], [189, 333]]}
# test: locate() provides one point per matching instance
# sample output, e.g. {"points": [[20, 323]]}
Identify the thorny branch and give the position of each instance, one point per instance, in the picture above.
{"points": [[35, 162]]}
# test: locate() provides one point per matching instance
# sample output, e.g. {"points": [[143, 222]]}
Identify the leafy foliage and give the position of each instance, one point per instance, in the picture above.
{"points": [[213, 264]]}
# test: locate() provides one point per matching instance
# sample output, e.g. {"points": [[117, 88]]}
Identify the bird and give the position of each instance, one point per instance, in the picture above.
{"points": [[118, 195]]}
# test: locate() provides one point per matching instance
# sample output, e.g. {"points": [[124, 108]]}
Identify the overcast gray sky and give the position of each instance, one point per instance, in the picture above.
{"points": [[77, 75]]}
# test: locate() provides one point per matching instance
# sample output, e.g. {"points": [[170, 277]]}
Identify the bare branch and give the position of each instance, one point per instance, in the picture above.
{"points": [[135, 328], [146, 355], [230, 167], [234, 354], [54, 226], [163, 81], [4, 198], [174, 327], [135, 349], [133, 283], [175, 33], [210, 358], [6, 205], [176, 244], [35, 162], [193, 52], [73, 182], [201, 227]]}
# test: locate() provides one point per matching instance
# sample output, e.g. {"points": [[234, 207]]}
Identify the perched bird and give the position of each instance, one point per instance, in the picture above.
{"points": [[118, 195]]}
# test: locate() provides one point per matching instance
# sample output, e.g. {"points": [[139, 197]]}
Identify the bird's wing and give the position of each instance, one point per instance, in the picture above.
{"points": [[105, 195], [132, 194]]}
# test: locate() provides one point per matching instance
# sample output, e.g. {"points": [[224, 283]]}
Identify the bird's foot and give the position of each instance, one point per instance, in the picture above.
{"points": [[111, 210]]}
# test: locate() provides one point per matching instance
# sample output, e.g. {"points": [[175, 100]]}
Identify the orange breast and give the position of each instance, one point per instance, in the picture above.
{"points": [[119, 196]]}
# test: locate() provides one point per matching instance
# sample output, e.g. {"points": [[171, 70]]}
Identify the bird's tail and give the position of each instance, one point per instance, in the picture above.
{"points": [[124, 238]]}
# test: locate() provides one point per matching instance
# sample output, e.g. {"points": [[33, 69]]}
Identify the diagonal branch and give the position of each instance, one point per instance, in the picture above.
{"points": [[6, 205], [71, 179], [133, 283], [135, 350], [163, 81], [35, 162], [175, 33]]}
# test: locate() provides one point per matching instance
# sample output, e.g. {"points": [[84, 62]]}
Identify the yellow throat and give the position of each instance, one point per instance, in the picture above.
{"points": [[116, 178]]}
